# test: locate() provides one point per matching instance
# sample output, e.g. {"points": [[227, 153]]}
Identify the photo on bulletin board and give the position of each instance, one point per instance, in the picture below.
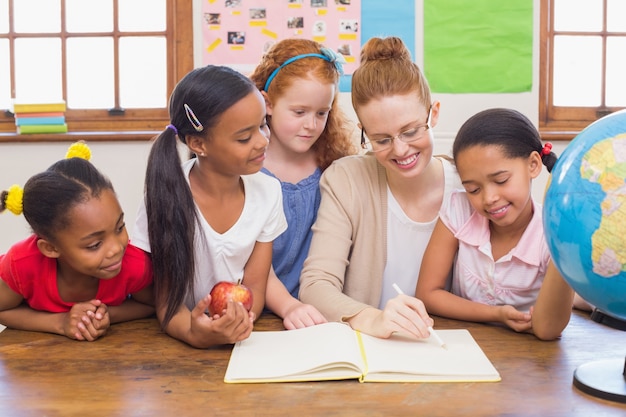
{"points": [[237, 33]]}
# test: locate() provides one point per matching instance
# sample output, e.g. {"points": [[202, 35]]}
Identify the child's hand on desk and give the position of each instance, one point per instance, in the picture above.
{"points": [[516, 320], [86, 321], [302, 315], [406, 315], [234, 325], [100, 319]]}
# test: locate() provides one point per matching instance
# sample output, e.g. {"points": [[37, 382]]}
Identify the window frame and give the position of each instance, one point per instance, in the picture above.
{"points": [[563, 123], [134, 124]]}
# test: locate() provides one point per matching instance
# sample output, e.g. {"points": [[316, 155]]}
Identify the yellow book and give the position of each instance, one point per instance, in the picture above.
{"points": [[31, 129], [26, 107], [334, 351]]}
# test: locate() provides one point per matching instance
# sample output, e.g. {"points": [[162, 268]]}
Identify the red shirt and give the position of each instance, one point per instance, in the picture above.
{"points": [[34, 276]]}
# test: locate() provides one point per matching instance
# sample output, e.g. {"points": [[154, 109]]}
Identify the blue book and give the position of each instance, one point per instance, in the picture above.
{"points": [[29, 121]]}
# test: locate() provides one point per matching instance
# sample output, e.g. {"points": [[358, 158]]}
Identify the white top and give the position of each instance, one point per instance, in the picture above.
{"points": [[407, 241], [222, 257]]}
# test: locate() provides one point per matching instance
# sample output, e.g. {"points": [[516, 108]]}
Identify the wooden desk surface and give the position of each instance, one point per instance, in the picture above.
{"points": [[136, 370]]}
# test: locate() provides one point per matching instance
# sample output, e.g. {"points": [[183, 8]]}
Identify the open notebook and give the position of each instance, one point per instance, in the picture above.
{"points": [[334, 351]]}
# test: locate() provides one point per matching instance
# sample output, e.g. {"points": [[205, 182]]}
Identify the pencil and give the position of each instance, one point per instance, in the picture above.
{"points": [[432, 331]]}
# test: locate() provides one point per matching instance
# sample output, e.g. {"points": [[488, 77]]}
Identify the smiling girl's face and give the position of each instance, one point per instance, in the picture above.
{"points": [[497, 186], [94, 242], [237, 143]]}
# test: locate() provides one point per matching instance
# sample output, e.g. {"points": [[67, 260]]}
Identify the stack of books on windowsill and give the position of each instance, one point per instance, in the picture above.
{"points": [[40, 117]]}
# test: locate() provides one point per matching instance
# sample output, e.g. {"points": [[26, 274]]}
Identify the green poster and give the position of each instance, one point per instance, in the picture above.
{"points": [[478, 46]]}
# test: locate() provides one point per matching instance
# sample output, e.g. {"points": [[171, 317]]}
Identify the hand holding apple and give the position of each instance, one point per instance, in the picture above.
{"points": [[225, 291]]}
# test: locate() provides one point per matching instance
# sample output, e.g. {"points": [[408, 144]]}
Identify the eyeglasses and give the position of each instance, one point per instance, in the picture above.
{"points": [[408, 136]]}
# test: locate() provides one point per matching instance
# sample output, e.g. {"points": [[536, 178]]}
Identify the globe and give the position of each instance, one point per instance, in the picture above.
{"points": [[584, 214]]}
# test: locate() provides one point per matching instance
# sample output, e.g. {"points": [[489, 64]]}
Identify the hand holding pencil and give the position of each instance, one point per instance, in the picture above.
{"points": [[430, 328]]}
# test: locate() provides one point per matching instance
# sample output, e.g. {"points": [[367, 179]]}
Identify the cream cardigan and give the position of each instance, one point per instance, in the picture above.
{"points": [[343, 272]]}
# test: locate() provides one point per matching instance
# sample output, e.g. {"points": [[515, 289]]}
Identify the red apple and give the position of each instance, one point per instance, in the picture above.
{"points": [[225, 291]]}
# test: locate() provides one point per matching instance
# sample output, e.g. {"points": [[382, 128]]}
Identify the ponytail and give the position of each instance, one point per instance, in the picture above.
{"points": [[12, 200], [548, 158], [172, 223]]}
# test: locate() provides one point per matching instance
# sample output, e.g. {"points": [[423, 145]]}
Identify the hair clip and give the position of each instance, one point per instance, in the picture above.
{"points": [[547, 148], [78, 150], [193, 119]]}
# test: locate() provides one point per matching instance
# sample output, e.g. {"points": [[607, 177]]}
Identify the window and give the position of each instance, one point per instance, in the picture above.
{"points": [[114, 62], [582, 61]]}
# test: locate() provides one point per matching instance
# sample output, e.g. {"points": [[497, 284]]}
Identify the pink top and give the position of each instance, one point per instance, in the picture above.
{"points": [[34, 276], [515, 278]]}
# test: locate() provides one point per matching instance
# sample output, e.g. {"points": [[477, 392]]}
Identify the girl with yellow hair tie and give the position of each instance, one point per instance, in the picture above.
{"points": [[76, 274]]}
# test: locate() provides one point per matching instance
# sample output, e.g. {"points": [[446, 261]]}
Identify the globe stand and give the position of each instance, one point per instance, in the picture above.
{"points": [[604, 379], [608, 320]]}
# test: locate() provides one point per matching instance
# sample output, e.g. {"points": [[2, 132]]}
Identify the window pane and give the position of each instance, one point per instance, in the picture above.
{"points": [[5, 85], [4, 16], [143, 76], [578, 15], [616, 10], [142, 15], [38, 69], [615, 64], [577, 70], [37, 16], [89, 16], [90, 78]]}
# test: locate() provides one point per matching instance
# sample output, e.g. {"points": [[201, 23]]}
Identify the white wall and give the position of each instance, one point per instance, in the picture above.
{"points": [[125, 162]]}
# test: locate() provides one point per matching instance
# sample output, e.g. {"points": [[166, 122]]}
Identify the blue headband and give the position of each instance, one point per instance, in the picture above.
{"points": [[327, 55]]}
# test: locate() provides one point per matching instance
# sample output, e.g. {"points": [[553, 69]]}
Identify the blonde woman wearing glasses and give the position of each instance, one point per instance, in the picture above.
{"points": [[378, 210]]}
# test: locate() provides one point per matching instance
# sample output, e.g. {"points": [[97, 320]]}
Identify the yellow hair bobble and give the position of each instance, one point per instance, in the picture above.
{"points": [[79, 150], [13, 199]]}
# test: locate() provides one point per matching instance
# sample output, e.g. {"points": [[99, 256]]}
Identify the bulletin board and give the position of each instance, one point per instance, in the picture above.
{"points": [[237, 32], [484, 46]]}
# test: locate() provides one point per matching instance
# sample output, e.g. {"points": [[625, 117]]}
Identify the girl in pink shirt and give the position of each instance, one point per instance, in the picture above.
{"points": [[491, 235]]}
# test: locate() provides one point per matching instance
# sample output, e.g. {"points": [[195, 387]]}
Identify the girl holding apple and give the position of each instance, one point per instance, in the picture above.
{"points": [[299, 80], [214, 217], [77, 273]]}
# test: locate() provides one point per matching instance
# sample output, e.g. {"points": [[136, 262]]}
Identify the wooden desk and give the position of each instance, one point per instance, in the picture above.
{"points": [[135, 370]]}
